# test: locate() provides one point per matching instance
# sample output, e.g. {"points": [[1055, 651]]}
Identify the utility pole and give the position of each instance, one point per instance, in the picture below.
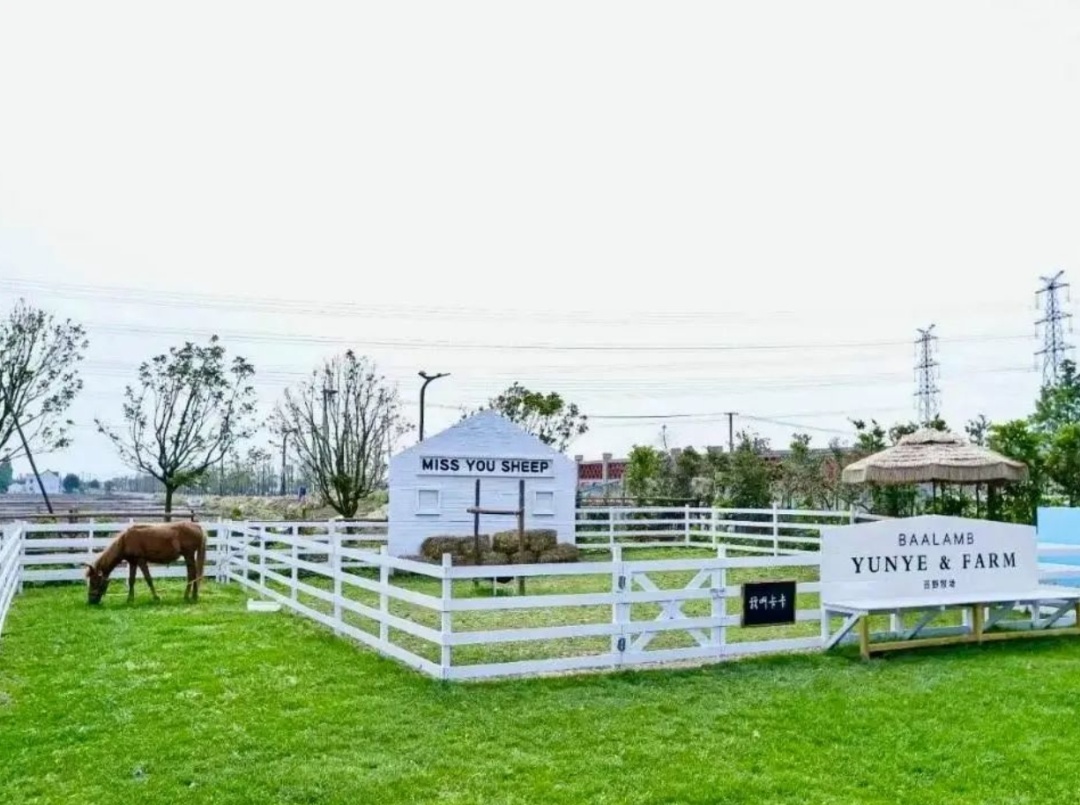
{"points": [[284, 442], [427, 379], [927, 393], [26, 447], [1054, 347], [731, 430]]}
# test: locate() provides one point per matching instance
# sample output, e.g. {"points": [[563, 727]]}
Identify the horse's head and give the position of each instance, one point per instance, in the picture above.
{"points": [[96, 584]]}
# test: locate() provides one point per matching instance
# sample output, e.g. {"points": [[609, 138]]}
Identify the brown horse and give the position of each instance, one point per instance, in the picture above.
{"points": [[160, 543]]}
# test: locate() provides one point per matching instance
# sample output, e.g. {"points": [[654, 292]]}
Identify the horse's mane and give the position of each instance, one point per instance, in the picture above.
{"points": [[110, 557]]}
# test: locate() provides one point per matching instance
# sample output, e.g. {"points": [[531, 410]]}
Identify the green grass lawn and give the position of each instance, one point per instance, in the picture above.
{"points": [[169, 703]]}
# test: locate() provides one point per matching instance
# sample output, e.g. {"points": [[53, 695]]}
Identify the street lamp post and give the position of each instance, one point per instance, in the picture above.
{"points": [[427, 379]]}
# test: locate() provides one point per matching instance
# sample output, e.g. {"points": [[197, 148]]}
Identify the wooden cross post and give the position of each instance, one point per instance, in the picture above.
{"points": [[519, 512]]}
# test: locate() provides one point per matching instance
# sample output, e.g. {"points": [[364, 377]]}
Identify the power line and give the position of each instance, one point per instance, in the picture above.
{"points": [[126, 295], [360, 342], [622, 386], [1054, 348], [927, 393]]}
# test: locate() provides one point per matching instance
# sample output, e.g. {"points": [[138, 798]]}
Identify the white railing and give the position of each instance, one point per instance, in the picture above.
{"points": [[446, 622], [454, 622], [773, 531], [10, 568]]}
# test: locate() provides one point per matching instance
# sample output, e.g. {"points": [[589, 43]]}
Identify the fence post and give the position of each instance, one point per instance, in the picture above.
{"points": [[384, 598], [852, 514], [775, 531], [224, 532], [335, 573], [719, 598], [447, 624], [619, 608], [611, 527], [686, 523], [262, 556], [295, 553], [20, 535], [712, 525]]}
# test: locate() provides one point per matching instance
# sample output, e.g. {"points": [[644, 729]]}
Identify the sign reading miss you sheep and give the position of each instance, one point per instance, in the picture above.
{"points": [[499, 467], [924, 556]]}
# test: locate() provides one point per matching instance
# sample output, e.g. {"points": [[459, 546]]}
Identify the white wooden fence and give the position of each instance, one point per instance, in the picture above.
{"points": [[11, 539], [451, 623], [460, 622], [772, 531]]}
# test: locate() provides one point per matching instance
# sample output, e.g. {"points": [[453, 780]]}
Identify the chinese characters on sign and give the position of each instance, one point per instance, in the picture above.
{"points": [[939, 584], [768, 603]]}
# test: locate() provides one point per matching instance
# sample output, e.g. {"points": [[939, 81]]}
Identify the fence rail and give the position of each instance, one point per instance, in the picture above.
{"points": [[770, 531]]}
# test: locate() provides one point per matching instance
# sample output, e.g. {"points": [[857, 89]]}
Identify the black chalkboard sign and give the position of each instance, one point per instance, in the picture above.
{"points": [[768, 603]]}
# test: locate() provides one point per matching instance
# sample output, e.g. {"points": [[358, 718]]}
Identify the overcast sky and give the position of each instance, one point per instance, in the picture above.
{"points": [[572, 194]]}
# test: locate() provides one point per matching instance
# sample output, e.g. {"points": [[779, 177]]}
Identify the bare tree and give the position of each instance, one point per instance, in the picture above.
{"points": [[39, 372], [190, 409], [342, 421]]}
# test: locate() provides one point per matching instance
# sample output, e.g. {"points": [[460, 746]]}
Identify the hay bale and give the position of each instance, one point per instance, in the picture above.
{"points": [[562, 552], [539, 540], [505, 541], [434, 547], [494, 558], [462, 549], [523, 557]]}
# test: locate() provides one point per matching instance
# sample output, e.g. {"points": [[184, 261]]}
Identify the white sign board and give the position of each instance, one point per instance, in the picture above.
{"points": [[918, 557], [473, 466]]}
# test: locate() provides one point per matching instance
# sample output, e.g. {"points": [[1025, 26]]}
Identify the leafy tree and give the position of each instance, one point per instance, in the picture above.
{"points": [[692, 475], [644, 474], [39, 358], [978, 430], [189, 409], [1063, 461], [94, 484], [71, 483], [6, 474], [547, 416], [109, 487], [1018, 439], [801, 482], [749, 477], [341, 420], [1059, 404]]}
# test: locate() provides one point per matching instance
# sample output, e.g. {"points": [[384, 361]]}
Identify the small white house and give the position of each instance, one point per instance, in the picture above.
{"points": [[433, 483], [28, 485]]}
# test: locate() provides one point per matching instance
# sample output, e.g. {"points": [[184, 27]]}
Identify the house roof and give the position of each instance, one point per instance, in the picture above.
{"points": [[490, 432]]}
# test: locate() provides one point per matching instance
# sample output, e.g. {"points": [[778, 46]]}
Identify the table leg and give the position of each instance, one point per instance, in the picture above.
{"points": [[864, 637], [977, 619]]}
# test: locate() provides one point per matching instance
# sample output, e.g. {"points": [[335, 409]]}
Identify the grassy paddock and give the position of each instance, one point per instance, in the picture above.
{"points": [[165, 703]]}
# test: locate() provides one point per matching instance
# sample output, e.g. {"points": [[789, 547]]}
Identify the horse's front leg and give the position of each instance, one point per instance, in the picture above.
{"points": [[131, 580], [146, 575]]}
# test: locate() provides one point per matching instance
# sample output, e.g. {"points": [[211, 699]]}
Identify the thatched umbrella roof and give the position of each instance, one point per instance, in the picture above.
{"points": [[932, 455]]}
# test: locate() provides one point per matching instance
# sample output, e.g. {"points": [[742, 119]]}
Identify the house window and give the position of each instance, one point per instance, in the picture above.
{"points": [[427, 501], [543, 502]]}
